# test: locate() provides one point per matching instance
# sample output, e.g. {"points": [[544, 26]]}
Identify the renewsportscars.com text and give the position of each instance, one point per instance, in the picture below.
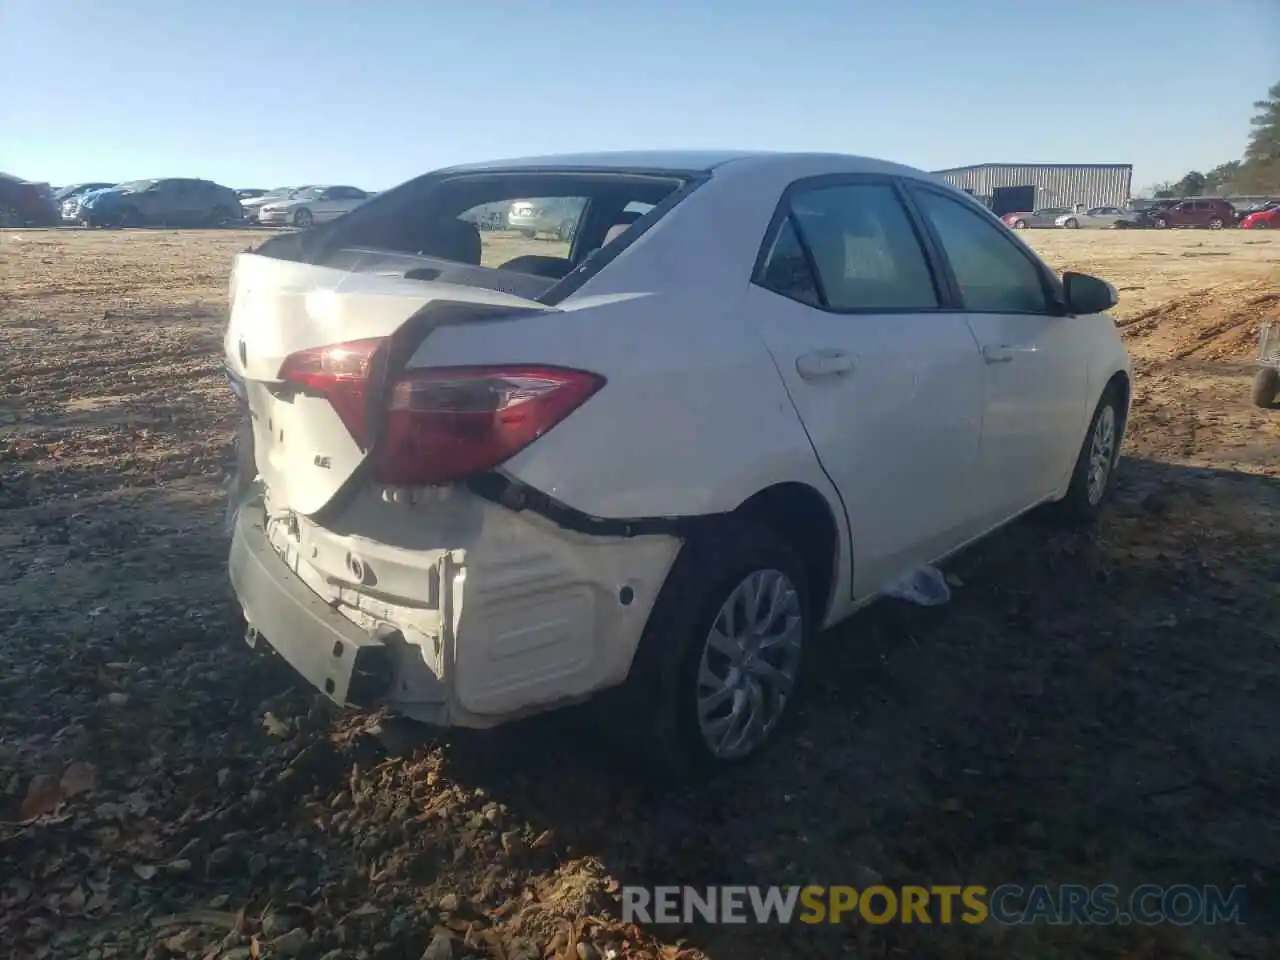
{"points": [[1009, 904]]}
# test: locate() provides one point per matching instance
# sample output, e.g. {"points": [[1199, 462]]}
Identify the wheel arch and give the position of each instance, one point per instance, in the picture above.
{"points": [[801, 515]]}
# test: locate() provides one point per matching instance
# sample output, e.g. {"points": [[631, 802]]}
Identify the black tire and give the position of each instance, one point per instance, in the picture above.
{"points": [[303, 219], [565, 231], [1266, 386], [1216, 223], [1072, 224], [9, 216], [1160, 223], [1079, 505], [130, 217], [1261, 225], [221, 217], [658, 700], [1019, 224], [528, 234]]}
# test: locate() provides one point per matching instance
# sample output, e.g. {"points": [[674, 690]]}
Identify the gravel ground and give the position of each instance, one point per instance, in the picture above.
{"points": [[1100, 707]]}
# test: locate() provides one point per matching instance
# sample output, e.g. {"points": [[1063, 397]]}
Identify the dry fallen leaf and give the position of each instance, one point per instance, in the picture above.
{"points": [[543, 840], [43, 796], [79, 777]]}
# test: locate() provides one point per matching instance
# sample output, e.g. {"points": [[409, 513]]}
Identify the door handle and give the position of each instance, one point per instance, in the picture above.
{"points": [[824, 363], [997, 353]]}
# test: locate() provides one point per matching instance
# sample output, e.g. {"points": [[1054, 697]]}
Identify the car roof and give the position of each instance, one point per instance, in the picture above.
{"points": [[679, 161]]}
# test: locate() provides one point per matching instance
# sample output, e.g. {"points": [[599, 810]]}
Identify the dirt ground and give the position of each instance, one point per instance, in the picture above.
{"points": [[1090, 707]]}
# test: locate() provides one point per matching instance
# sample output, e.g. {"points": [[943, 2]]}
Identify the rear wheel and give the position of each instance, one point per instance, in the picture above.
{"points": [[221, 217], [1072, 224], [1096, 462], [1216, 223], [1019, 224], [1266, 385], [719, 662], [303, 219], [1161, 223]]}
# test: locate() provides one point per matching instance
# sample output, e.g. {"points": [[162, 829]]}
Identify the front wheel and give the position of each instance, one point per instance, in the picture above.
{"points": [[719, 661], [1266, 385], [1161, 223], [1072, 224], [1019, 224], [1096, 462], [303, 219]]}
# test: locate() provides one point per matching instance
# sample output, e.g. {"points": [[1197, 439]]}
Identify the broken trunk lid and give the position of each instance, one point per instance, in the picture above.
{"points": [[304, 450]]}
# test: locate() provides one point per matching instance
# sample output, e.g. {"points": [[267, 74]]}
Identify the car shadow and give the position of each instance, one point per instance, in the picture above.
{"points": [[1095, 707]]}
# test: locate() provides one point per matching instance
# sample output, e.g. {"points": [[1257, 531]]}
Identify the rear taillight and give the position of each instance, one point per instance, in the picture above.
{"points": [[443, 423], [446, 423], [340, 372]]}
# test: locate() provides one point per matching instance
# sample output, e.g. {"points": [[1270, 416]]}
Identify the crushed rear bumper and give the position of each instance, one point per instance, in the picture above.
{"points": [[350, 665]]}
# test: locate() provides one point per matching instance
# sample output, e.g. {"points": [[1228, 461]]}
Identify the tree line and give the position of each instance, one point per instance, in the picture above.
{"points": [[1258, 172]]}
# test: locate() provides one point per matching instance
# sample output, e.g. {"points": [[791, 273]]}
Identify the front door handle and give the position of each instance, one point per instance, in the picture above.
{"points": [[824, 363], [997, 353]]}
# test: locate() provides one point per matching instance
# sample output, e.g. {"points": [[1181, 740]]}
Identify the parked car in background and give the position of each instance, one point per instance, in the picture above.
{"points": [[557, 216], [1265, 218], [466, 523], [311, 205], [253, 205], [1258, 207], [1097, 218], [68, 198], [24, 203], [249, 193], [1208, 212], [169, 201], [1044, 217]]}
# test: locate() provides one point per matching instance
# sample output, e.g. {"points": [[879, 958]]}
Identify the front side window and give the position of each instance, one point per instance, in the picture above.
{"points": [[993, 275], [862, 245]]}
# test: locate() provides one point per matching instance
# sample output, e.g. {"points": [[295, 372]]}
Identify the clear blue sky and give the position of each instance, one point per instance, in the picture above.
{"points": [[283, 91]]}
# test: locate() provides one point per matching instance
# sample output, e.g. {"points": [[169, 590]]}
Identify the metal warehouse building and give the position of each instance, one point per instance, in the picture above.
{"points": [[1014, 187]]}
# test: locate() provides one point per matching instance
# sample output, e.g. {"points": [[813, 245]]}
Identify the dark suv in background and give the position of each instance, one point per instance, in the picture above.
{"points": [[1207, 212], [26, 204]]}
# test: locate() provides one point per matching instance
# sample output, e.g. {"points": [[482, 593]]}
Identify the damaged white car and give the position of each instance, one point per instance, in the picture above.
{"points": [[747, 395]]}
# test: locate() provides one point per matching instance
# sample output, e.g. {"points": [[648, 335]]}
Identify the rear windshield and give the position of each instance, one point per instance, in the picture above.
{"points": [[517, 231]]}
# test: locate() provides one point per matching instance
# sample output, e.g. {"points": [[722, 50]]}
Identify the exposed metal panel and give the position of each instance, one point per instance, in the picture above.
{"points": [[1057, 185]]}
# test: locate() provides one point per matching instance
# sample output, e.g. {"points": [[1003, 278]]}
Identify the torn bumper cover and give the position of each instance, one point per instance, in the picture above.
{"points": [[452, 610], [351, 665]]}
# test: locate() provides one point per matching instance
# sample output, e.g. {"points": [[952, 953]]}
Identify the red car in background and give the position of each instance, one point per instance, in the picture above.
{"points": [[26, 204], [1267, 218]]}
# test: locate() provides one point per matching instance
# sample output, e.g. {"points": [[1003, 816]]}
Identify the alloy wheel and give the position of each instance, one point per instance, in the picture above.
{"points": [[750, 661], [1102, 451]]}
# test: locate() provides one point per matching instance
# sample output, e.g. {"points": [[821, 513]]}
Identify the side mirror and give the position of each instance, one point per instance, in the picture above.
{"points": [[1087, 294]]}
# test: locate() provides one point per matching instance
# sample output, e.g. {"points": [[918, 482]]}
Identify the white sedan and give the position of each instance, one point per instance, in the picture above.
{"points": [[1097, 218], [311, 205], [476, 485]]}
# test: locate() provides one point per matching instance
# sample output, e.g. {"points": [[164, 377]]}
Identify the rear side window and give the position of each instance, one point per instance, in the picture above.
{"points": [[860, 241], [993, 275]]}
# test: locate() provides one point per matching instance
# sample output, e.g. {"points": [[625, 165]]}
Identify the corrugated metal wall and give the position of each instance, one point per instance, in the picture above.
{"points": [[1057, 185]]}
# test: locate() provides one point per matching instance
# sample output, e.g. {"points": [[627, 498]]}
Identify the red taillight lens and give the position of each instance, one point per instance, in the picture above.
{"points": [[446, 423], [341, 373]]}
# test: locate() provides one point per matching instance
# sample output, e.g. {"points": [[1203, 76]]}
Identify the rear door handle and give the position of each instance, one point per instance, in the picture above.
{"points": [[829, 362], [997, 353]]}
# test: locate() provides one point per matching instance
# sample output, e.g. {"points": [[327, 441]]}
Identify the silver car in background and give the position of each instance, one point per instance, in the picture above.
{"points": [[1043, 218], [557, 216], [1098, 218]]}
